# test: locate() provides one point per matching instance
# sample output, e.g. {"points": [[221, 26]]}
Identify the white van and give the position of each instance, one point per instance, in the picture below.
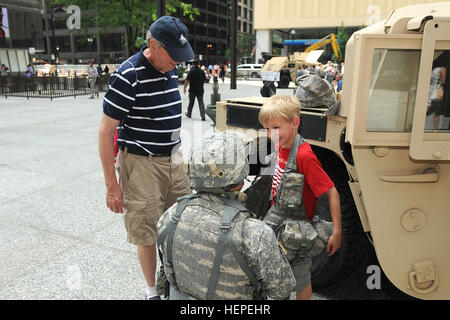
{"points": [[249, 70]]}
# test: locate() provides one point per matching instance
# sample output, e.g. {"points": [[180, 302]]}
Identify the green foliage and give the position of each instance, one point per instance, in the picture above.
{"points": [[228, 54], [134, 15], [180, 72], [342, 37], [245, 45]]}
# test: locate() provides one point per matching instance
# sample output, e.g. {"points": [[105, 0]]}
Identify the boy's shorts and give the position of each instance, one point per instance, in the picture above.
{"points": [[301, 268], [300, 264], [150, 185]]}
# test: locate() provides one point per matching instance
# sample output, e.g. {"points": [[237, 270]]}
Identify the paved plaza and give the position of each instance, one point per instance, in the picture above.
{"points": [[58, 239]]}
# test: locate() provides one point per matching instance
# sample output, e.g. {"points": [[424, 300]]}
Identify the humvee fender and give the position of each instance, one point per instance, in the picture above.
{"points": [[388, 148]]}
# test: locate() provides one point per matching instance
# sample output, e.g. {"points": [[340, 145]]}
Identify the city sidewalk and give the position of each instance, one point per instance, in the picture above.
{"points": [[58, 239]]}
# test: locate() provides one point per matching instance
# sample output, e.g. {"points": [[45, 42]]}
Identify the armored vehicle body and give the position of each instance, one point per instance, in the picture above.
{"points": [[387, 148], [283, 69]]}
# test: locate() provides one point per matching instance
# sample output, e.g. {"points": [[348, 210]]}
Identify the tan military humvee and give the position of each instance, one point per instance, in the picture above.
{"points": [[283, 69], [388, 148]]}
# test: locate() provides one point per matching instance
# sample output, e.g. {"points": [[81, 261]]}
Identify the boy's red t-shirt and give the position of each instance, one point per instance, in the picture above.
{"points": [[316, 180]]}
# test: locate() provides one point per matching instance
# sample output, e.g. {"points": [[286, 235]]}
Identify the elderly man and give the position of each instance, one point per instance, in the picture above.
{"points": [[144, 104]]}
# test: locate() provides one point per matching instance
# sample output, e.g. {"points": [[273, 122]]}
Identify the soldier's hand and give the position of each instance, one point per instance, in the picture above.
{"points": [[334, 243], [114, 199]]}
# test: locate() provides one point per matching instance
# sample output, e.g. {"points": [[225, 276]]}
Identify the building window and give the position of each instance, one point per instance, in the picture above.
{"points": [[111, 42], [63, 43]]}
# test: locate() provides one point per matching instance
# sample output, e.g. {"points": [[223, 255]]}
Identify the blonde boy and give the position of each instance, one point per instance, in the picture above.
{"points": [[280, 115]]}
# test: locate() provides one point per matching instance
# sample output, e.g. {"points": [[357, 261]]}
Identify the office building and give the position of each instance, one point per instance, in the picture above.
{"points": [[279, 20]]}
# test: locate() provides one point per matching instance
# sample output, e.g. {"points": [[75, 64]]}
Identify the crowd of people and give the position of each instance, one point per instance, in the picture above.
{"points": [[332, 72], [211, 71]]}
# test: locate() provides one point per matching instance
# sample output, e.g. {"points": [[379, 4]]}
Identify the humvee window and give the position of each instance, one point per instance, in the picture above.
{"points": [[393, 90], [438, 107]]}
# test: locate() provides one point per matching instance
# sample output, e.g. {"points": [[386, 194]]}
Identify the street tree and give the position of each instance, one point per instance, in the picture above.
{"points": [[342, 38], [134, 15], [245, 45]]}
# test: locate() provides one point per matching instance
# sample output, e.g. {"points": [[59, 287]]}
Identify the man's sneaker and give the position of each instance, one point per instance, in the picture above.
{"points": [[152, 298], [187, 115]]}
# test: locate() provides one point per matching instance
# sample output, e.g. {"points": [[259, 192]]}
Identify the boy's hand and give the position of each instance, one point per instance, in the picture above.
{"points": [[334, 243]]}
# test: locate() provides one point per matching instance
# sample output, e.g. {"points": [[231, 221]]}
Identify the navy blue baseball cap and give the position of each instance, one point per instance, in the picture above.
{"points": [[173, 34]]}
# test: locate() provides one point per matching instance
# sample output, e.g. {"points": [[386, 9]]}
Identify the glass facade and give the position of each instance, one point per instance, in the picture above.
{"points": [[22, 25]]}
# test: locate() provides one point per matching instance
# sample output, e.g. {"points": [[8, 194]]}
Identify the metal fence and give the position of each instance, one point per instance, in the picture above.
{"points": [[49, 87]]}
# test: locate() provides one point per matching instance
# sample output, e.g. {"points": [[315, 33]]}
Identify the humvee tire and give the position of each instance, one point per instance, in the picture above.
{"points": [[327, 271]]}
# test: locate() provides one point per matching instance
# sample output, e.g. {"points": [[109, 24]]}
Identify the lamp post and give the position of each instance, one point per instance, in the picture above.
{"points": [[234, 21], [90, 46], [292, 40], [56, 60]]}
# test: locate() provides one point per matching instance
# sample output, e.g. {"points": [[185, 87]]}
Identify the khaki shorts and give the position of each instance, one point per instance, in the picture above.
{"points": [[150, 186]]}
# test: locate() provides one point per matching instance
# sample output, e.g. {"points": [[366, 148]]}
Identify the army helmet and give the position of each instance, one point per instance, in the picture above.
{"points": [[313, 91], [218, 163]]}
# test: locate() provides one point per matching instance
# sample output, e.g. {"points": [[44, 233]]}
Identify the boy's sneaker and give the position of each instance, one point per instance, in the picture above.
{"points": [[152, 298]]}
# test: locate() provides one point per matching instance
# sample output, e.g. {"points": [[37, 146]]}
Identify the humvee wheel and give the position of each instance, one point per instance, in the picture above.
{"points": [[326, 271]]}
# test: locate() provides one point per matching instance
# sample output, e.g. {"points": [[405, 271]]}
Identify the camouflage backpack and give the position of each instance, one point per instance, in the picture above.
{"points": [[203, 256], [204, 252]]}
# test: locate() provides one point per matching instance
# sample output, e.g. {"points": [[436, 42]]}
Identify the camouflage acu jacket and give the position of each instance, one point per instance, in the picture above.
{"points": [[193, 253]]}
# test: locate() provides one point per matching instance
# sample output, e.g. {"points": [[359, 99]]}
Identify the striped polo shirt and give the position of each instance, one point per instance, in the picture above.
{"points": [[148, 105]]}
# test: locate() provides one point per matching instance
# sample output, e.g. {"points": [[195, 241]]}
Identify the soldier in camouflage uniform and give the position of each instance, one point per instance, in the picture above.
{"points": [[210, 246]]}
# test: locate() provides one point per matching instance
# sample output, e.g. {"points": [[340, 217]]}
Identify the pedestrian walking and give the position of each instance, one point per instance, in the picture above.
{"points": [[3, 77], [195, 80], [143, 102], [92, 79], [29, 72], [4, 70], [223, 70], [99, 69]]}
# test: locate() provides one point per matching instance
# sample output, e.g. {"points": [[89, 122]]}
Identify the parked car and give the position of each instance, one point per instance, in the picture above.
{"points": [[248, 71]]}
